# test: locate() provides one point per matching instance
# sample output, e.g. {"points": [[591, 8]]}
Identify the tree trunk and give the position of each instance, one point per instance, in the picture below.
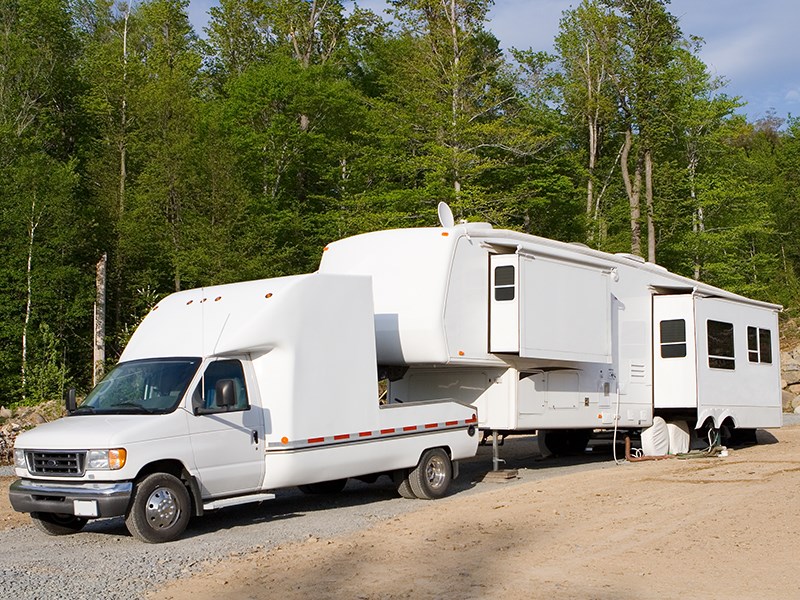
{"points": [[632, 190], [33, 224], [99, 357], [648, 195]]}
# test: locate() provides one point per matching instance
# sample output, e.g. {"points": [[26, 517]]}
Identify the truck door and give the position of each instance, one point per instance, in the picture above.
{"points": [[228, 442]]}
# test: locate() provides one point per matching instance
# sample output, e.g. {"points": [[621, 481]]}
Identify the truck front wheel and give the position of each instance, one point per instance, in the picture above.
{"points": [[432, 476], [160, 510], [57, 524]]}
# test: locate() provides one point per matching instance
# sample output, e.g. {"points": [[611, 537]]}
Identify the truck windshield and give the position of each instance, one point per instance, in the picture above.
{"points": [[141, 386]]}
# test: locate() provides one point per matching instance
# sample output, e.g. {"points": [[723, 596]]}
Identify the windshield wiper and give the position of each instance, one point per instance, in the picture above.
{"points": [[86, 410]]}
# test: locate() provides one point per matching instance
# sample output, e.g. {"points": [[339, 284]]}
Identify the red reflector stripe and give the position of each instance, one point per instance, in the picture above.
{"points": [[474, 419], [451, 423], [410, 428], [316, 440], [431, 425], [384, 431], [365, 434], [345, 436]]}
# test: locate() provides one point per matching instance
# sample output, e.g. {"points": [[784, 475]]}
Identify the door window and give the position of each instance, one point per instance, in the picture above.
{"points": [[205, 395]]}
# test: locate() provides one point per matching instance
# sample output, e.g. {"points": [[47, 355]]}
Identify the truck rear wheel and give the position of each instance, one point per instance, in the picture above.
{"points": [[58, 524], [403, 485], [160, 510], [432, 476]]}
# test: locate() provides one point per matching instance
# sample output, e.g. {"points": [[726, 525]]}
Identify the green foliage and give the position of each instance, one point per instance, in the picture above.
{"points": [[195, 162]]}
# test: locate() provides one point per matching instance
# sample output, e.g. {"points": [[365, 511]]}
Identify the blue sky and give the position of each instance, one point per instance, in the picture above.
{"points": [[752, 44]]}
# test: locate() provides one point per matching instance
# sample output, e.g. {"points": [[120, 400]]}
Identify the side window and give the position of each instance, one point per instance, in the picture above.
{"points": [[759, 345], [673, 338], [504, 283], [720, 345], [204, 395]]}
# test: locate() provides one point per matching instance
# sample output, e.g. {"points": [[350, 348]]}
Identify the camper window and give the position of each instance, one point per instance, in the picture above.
{"points": [[504, 283], [759, 345], [673, 338], [720, 345]]}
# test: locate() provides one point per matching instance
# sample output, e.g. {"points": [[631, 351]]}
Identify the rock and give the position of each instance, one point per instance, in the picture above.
{"points": [[787, 398], [797, 410], [794, 388], [796, 402], [37, 419], [783, 383], [5, 413], [791, 374]]}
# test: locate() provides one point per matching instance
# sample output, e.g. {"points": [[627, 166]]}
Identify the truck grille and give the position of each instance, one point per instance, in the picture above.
{"points": [[67, 464]]}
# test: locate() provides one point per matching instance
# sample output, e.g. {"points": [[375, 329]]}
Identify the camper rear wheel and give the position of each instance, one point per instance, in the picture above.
{"points": [[160, 509], [57, 524], [324, 487], [432, 475]]}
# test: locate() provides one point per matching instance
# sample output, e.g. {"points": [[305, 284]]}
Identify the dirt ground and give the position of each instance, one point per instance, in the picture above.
{"points": [[700, 528]]}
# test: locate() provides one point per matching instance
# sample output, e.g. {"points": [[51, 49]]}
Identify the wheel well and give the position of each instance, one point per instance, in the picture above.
{"points": [[177, 469]]}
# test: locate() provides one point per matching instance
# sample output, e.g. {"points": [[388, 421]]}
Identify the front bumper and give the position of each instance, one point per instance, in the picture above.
{"points": [[106, 499]]}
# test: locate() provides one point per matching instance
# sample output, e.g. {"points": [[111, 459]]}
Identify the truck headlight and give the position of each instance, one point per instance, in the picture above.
{"points": [[106, 460], [19, 459]]}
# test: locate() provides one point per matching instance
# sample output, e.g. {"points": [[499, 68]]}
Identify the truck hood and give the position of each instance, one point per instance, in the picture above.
{"points": [[86, 432]]}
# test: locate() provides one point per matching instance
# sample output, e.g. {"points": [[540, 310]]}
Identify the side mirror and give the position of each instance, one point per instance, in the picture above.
{"points": [[70, 402], [225, 393]]}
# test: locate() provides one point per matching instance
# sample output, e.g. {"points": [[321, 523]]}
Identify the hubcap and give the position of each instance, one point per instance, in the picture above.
{"points": [[436, 472], [162, 509]]}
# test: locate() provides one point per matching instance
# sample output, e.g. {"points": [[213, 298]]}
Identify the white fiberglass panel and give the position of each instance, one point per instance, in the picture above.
{"points": [[565, 311]]}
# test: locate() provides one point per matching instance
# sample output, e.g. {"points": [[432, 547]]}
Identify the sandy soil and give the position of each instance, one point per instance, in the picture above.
{"points": [[8, 517], [701, 528]]}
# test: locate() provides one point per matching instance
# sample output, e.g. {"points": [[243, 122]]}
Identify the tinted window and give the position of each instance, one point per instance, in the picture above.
{"points": [[752, 344], [504, 283], [673, 338], [720, 345], [765, 345]]}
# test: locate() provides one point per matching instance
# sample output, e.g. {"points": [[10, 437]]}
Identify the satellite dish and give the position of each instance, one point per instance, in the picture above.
{"points": [[445, 215]]}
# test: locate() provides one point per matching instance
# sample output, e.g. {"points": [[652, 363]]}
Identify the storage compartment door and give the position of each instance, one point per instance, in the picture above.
{"points": [[504, 303], [674, 352]]}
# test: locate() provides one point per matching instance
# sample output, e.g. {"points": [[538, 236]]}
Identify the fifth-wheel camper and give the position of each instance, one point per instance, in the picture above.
{"points": [[559, 338]]}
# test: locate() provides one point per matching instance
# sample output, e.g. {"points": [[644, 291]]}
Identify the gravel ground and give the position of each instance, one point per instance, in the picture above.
{"points": [[105, 561]]}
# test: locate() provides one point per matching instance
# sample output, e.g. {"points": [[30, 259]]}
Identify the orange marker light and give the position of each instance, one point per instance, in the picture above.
{"points": [[445, 234], [284, 440], [218, 298], [461, 353], [268, 295]]}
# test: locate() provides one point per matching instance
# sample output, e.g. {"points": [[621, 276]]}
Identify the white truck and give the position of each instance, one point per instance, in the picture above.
{"points": [[225, 394], [559, 338]]}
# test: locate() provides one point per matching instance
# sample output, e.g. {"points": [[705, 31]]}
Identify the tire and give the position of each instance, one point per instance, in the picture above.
{"points": [[432, 476], [324, 487], [58, 524], [403, 485], [160, 510]]}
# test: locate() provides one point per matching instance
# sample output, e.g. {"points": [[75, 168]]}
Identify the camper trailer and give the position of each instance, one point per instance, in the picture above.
{"points": [[228, 393], [559, 338]]}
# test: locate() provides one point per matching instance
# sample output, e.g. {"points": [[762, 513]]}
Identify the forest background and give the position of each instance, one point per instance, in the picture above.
{"points": [[131, 146]]}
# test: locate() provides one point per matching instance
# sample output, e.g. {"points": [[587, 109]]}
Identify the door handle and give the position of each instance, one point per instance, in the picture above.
{"points": [[255, 436]]}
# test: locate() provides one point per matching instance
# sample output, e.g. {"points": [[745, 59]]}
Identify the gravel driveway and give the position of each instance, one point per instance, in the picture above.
{"points": [[104, 561]]}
